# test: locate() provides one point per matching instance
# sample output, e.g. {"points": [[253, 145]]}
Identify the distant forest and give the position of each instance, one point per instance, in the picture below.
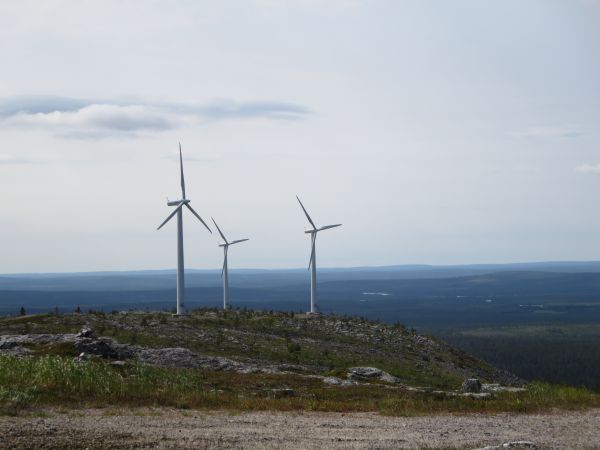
{"points": [[564, 360]]}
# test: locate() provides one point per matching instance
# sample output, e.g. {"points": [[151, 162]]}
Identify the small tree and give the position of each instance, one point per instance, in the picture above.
{"points": [[22, 311], [78, 310]]}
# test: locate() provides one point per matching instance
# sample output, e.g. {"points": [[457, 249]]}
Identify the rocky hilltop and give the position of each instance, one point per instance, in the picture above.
{"points": [[337, 350]]}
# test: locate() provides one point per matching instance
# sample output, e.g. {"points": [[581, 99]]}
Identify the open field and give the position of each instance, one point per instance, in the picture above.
{"points": [[166, 428]]}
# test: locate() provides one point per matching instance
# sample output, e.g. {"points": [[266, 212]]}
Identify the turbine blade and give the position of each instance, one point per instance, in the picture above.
{"points": [[327, 227], [181, 168], [312, 252], [305, 212], [238, 241], [220, 232], [199, 218], [171, 215]]}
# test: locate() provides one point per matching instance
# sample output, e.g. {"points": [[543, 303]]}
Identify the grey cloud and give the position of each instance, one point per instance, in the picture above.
{"points": [[565, 131], [271, 110], [85, 119], [42, 104]]}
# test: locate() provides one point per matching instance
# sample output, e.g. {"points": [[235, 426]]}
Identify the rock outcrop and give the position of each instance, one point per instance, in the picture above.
{"points": [[370, 374]]}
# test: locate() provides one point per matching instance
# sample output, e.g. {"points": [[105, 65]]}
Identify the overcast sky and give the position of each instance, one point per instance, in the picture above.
{"points": [[440, 132]]}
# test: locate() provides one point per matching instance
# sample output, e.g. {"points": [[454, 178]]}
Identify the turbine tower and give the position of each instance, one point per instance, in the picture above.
{"points": [[224, 272], [179, 211], [312, 265]]}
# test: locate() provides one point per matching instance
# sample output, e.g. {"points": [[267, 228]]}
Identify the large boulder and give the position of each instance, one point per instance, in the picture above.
{"points": [[104, 348], [471, 385]]}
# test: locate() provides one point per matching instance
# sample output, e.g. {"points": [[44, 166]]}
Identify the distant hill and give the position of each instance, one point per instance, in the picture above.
{"points": [[263, 278]]}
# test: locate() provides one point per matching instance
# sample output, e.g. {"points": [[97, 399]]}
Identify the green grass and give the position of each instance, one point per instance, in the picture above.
{"points": [[36, 382]]}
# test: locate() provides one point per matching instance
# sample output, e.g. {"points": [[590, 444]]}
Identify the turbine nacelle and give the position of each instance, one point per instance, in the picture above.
{"points": [[227, 244], [177, 202], [326, 227]]}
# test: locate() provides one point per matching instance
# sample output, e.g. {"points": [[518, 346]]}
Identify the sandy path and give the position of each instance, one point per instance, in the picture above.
{"points": [[165, 428]]}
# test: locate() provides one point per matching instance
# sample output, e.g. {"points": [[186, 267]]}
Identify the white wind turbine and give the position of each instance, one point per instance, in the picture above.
{"points": [[179, 211], [224, 272], [312, 265]]}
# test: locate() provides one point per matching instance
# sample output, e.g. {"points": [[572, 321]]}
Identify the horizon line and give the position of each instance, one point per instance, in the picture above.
{"points": [[289, 269]]}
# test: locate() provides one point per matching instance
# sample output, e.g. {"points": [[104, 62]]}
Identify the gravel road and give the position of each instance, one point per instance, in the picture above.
{"points": [[166, 428]]}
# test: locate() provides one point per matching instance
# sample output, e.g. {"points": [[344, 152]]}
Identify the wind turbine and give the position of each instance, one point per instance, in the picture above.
{"points": [[312, 265], [224, 272], [179, 211]]}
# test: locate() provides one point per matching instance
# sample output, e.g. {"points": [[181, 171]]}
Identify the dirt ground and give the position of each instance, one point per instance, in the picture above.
{"points": [[166, 428]]}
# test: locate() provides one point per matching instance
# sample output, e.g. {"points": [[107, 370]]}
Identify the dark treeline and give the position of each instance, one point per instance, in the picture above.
{"points": [[564, 360]]}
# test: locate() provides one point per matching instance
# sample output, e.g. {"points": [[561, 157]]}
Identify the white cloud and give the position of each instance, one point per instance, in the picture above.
{"points": [[93, 119], [6, 159], [588, 168], [567, 131]]}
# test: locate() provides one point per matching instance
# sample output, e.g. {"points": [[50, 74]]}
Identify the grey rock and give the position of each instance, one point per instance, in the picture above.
{"points": [[15, 350], [515, 445], [185, 358], [471, 385], [495, 387], [20, 339], [297, 368], [335, 381], [104, 348], [474, 395], [370, 373], [86, 332]]}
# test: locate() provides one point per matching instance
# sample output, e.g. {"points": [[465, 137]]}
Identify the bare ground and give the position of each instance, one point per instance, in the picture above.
{"points": [[166, 428]]}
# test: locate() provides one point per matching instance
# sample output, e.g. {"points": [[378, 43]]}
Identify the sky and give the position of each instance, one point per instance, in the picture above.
{"points": [[436, 132]]}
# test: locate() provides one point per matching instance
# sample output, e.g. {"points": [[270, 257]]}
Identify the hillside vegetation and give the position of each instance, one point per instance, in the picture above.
{"points": [[249, 360]]}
